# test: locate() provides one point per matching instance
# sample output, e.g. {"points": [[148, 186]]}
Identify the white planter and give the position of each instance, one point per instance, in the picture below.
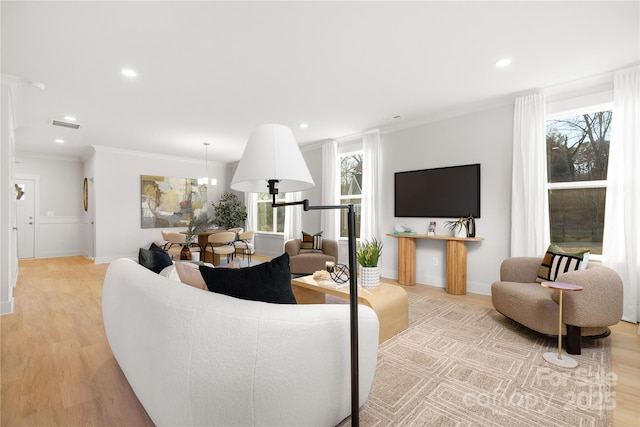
{"points": [[369, 277], [460, 231]]}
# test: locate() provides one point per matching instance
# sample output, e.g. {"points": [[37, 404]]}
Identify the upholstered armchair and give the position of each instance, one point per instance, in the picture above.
{"points": [[586, 313], [308, 261]]}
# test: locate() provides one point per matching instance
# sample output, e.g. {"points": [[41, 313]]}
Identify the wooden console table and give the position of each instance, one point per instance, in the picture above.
{"points": [[456, 260]]}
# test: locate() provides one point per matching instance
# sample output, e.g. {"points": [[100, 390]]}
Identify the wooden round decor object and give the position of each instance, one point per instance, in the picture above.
{"points": [[85, 194]]}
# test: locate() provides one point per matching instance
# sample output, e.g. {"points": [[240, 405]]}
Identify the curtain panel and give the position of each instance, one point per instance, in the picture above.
{"points": [[330, 218], [293, 216], [250, 200], [369, 227], [529, 205], [621, 239]]}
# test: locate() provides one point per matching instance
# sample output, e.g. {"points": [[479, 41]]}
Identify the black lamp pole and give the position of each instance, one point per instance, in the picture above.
{"points": [[353, 291]]}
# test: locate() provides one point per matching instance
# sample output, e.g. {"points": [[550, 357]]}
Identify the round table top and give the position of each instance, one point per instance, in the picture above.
{"points": [[562, 286]]}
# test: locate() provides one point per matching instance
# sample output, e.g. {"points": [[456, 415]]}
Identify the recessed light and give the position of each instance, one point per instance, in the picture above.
{"points": [[60, 141], [129, 72], [503, 62], [304, 125], [70, 118]]}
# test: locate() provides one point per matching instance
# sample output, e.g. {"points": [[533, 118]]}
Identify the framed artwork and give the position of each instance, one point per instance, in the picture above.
{"points": [[170, 202]]}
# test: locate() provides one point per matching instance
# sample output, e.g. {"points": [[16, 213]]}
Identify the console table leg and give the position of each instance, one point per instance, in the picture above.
{"points": [[406, 261], [456, 267]]}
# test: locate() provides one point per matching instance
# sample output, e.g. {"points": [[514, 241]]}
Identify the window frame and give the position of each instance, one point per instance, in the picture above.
{"points": [[269, 200], [343, 199], [572, 185]]}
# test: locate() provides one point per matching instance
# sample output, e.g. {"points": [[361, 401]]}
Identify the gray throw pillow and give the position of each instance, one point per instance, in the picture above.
{"points": [[154, 258]]}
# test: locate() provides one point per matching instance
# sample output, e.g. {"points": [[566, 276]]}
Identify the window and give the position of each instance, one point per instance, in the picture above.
{"points": [[350, 189], [577, 159], [270, 219]]}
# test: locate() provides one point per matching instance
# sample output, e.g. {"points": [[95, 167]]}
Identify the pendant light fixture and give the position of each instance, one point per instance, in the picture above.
{"points": [[205, 179]]}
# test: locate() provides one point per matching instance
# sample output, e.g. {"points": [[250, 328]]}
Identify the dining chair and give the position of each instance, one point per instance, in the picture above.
{"points": [[237, 230], [176, 241], [221, 244], [165, 239], [244, 243]]}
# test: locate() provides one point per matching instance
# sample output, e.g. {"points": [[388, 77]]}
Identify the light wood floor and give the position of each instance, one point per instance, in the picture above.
{"points": [[57, 368]]}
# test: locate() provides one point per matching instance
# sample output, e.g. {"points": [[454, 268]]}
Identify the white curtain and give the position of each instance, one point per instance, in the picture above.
{"points": [[370, 188], [330, 218], [293, 216], [621, 240], [250, 200], [529, 204]]}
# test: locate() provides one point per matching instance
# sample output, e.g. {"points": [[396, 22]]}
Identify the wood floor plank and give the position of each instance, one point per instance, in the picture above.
{"points": [[57, 369]]}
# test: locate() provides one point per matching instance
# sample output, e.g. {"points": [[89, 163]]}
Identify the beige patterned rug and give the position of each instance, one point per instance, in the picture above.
{"points": [[462, 365]]}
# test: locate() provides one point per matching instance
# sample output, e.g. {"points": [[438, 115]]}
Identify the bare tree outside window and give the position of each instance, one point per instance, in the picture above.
{"points": [[350, 189], [577, 161]]}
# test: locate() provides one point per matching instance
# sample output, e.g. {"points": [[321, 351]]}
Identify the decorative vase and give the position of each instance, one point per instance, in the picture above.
{"points": [[471, 232], [369, 277], [460, 231], [185, 253]]}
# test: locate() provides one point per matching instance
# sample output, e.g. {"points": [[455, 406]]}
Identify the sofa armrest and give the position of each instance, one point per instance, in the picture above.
{"points": [[330, 247], [600, 301], [520, 269], [292, 247]]}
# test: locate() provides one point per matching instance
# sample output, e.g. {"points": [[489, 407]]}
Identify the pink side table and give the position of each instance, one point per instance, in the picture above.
{"points": [[552, 357]]}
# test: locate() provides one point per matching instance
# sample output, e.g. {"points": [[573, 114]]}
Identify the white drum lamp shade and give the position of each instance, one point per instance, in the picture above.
{"points": [[271, 153]]}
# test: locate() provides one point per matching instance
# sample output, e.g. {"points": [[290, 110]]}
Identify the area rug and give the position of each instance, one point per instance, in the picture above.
{"points": [[463, 365]]}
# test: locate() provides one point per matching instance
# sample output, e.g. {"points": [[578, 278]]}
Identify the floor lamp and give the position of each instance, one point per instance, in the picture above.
{"points": [[272, 160]]}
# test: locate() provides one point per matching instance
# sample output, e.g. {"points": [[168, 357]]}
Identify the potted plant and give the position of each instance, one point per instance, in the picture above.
{"points": [[368, 255], [197, 224], [229, 212], [459, 227]]}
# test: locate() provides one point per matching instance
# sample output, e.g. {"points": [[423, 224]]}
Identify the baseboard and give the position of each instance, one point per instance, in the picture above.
{"points": [[6, 307], [478, 288], [59, 254]]}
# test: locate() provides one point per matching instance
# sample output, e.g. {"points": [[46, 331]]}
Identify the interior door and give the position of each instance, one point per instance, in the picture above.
{"points": [[25, 217], [91, 226]]}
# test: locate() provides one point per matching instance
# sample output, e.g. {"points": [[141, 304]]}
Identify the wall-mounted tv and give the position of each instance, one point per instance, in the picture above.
{"points": [[449, 192]]}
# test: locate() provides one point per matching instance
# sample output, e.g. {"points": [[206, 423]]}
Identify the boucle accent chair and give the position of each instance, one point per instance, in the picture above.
{"points": [[308, 261], [199, 358], [586, 313]]}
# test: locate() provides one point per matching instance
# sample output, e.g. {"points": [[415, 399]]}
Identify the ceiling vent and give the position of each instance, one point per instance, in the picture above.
{"points": [[65, 124]]}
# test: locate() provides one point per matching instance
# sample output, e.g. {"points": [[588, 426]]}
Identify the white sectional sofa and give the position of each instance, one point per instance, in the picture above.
{"points": [[194, 357]]}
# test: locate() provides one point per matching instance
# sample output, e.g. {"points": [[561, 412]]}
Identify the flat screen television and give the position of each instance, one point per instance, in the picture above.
{"points": [[449, 192]]}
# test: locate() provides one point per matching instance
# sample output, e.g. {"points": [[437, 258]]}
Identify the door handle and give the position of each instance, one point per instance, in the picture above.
{"points": [[30, 223], [14, 228]]}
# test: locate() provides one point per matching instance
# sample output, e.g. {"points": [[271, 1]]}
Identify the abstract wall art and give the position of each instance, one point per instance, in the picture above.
{"points": [[169, 201]]}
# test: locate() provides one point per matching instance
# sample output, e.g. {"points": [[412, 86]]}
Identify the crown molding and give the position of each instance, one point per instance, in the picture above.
{"points": [[101, 148], [45, 156]]}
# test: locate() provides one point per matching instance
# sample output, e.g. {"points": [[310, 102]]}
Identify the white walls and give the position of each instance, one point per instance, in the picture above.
{"points": [[483, 137], [455, 141], [59, 229], [63, 228], [8, 249], [116, 182]]}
